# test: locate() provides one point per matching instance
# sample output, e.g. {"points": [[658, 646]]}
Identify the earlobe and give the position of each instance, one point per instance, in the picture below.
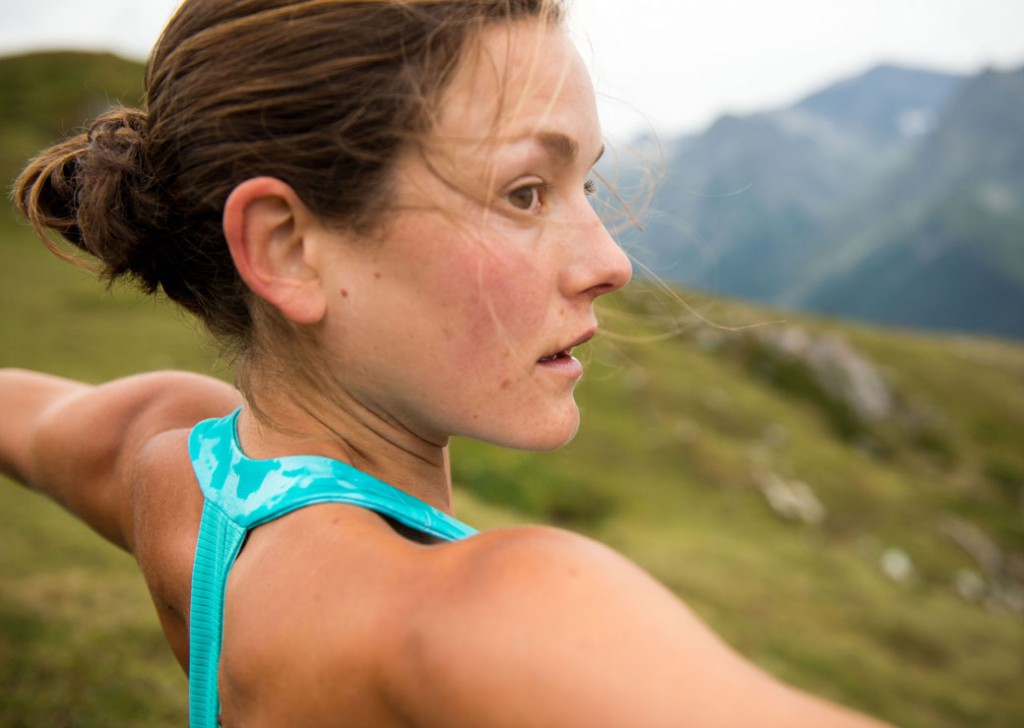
{"points": [[265, 225]]}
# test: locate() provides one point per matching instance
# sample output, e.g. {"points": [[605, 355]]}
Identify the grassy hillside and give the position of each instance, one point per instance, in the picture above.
{"points": [[890, 580]]}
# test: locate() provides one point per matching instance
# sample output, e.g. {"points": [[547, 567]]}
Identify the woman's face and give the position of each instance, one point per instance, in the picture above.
{"points": [[459, 320]]}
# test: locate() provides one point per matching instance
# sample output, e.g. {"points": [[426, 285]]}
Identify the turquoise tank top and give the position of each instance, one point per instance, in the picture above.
{"points": [[241, 494]]}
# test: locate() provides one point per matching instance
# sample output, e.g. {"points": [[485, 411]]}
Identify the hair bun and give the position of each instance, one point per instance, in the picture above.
{"points": [[96, 191]]}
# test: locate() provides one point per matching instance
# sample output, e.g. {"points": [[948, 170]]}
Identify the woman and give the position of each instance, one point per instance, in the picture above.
{"points": [[381, 209]]}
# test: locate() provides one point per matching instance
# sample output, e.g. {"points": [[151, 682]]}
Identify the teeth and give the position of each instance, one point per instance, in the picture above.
{"points": [[559, 355]]}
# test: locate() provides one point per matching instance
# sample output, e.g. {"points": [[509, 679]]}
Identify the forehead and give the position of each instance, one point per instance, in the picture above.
{"points": [[517, 80]]}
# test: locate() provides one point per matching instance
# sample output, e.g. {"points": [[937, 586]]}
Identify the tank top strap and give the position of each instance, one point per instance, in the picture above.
{"points": [[253, 492], [220, 540], [242, 493]]}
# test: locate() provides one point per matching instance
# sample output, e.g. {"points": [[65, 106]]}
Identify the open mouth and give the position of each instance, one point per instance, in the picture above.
{"points": [[566, 353], [555, 357]]}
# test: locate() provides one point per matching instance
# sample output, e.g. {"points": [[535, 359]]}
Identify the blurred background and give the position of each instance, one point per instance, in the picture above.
{"points": [[806, 416]]}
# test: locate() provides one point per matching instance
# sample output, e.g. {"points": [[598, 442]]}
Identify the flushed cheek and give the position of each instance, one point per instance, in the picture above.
{"points": [[501, 325], [508, 306], [496, 323]]}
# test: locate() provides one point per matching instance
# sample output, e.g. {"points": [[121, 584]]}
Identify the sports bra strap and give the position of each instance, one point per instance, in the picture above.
{"points": [[242, 493], [220, 540]]}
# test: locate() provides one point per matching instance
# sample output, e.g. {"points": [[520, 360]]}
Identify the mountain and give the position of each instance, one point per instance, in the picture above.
{"points": [[945, 248], [886, 104], [743, 205], [841, 202]]}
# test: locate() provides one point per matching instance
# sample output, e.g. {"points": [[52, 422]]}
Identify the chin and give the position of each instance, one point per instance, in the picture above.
{"points": [[547, 435]]}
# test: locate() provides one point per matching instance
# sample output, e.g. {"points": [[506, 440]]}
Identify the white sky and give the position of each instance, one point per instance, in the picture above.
{"points": [[670, 65]]}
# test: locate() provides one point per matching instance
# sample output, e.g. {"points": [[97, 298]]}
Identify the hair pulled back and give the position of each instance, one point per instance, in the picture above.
{"points": [[321, 94]]}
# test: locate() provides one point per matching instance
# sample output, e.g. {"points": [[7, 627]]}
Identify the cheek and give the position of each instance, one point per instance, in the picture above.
{"points": [[502, 305]]}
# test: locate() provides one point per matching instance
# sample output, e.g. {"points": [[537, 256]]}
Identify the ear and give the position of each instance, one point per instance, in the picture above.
{"points": [[266, 226]]}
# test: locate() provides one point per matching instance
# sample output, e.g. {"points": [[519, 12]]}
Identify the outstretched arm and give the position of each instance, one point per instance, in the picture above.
{"points": [[77, 443]]}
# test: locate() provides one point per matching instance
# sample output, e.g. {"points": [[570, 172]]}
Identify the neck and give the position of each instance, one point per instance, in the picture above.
{"points": [[344, 430]]}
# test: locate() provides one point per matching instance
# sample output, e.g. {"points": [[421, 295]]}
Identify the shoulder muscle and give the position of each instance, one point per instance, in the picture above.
{"points": [[541, 627]]}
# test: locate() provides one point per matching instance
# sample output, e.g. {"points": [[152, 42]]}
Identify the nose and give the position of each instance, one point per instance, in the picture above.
{"points": [[598, 266]]}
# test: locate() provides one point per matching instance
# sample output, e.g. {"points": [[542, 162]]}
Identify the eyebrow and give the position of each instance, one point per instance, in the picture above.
{"points": [[564, 148]]}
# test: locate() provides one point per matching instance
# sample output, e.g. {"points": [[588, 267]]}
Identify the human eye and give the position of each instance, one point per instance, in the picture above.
{"points": [[527, 197]]}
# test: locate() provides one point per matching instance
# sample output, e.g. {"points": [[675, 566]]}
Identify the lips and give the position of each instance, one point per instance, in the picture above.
{"points": [[554, 357], [566, 352]]}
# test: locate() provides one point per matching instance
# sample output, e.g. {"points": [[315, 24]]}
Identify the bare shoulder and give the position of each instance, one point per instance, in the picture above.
{"points": [[517, 627], [538, 626], [368, 608]]}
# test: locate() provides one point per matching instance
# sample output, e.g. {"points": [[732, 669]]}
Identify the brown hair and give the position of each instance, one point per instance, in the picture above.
{"points": [[321, 94]]}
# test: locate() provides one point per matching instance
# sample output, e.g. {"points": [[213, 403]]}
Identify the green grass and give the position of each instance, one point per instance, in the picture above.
{"points": [[674, 434], [79, 643]]}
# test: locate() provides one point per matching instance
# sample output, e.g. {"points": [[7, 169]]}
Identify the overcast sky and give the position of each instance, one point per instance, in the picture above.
{"points": [[672, 65]]}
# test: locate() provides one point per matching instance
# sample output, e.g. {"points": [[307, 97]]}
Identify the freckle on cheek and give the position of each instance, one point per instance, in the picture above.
{"points": [[377, 275], [344, 293], [506, 383]]}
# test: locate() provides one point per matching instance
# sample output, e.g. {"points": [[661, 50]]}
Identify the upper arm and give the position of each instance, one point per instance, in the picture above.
{"points": [[545, 628], [77, 443]]}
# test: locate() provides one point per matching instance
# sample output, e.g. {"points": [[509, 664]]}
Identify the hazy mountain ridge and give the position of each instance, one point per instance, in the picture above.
{"points": [[888, 103], [894, 196], [947, 249]]}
